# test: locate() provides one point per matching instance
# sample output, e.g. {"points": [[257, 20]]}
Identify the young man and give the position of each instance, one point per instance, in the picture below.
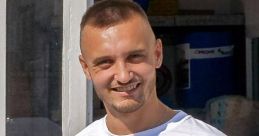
{"points": [[120, 54]]}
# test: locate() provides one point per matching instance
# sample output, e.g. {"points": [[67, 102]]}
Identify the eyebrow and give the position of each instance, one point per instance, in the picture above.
{"points": [[99, 59], [137, 51]]}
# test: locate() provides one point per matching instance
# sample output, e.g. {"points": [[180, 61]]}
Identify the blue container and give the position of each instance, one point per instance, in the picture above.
{"points": [[209, 72]]}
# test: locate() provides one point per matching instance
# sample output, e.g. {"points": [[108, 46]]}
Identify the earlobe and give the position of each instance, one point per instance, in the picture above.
{"points": [[159, 53], [84, 66]]}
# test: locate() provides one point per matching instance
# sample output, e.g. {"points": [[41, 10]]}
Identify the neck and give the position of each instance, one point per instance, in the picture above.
{"points": [[148, 116]]}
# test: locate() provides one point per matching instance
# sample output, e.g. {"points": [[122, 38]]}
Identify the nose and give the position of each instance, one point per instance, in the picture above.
{"points": [[123, 74]]}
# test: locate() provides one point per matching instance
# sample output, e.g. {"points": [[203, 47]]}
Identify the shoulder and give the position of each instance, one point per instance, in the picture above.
{"points": [[95, 128], [189, 126], [200, 128]]}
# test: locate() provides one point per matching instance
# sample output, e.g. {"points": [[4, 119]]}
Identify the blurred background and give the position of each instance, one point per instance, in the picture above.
{"points": [[210, 68]]}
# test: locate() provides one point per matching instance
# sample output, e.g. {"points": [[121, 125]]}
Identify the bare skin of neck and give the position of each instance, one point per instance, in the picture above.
{"points": [[152, 114]]}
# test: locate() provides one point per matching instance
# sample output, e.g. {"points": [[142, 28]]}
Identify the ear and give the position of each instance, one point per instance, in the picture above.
{"points": [[85, 67], [159, 53]]}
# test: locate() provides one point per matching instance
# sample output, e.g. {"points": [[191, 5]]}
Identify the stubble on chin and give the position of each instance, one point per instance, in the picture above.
{"points": [[128, 106]]}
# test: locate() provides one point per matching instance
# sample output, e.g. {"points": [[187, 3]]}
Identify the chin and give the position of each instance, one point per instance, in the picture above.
{"points": [[128, 106]]}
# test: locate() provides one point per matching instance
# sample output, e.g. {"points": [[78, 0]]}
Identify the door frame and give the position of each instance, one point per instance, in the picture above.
{"points": [[76, 90], [3, 67]]}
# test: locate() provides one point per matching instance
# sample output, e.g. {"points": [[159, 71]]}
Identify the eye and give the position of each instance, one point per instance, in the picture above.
{"points": [[104, 64], [136, 58]]}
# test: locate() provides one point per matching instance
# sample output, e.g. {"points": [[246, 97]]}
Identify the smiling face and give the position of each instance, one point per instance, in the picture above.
{"points": [[121, 61]]}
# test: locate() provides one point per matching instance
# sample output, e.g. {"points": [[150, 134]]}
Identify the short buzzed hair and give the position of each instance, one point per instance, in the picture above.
{"points": [[106, 13]]}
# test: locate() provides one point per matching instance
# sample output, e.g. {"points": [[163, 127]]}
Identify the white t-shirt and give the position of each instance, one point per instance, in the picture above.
{"points": [[180, 125]]}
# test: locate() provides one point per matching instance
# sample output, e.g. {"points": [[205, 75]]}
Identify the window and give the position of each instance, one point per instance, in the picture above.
{"points": [[33, 67]]}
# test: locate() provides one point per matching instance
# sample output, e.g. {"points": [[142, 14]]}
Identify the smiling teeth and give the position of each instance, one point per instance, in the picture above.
{"points": [[127, 88]]}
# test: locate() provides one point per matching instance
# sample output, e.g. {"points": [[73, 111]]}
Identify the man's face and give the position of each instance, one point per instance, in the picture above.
{"points": [[121, 61]]}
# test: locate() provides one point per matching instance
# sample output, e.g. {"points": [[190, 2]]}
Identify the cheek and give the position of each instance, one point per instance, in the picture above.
{"points": [[100, 84], [146, 71], [101, 79]]}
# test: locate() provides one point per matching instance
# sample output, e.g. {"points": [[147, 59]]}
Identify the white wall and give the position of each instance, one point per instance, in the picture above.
{"points": [[218, 6], [252, 18], [73, 80], [248, 7], [252, 31], [3, 65]]}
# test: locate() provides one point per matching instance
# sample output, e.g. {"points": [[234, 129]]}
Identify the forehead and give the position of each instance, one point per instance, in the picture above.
{"points": [[136, 20], [133, 30]]}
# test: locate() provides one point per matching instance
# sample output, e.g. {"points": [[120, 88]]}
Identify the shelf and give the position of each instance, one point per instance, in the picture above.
{"points": [[197, 20]]}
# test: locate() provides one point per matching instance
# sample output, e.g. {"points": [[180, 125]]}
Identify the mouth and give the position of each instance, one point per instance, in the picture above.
{"points": [[127, 88]]}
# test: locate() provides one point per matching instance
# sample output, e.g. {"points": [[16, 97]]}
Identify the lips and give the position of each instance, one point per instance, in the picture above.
{"points": [[126, 88]]}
